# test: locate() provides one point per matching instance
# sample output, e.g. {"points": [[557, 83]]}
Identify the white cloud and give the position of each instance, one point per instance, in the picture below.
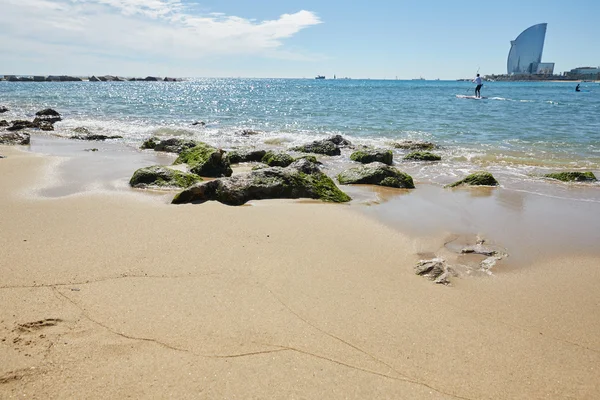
{"points": [[153, 29]]}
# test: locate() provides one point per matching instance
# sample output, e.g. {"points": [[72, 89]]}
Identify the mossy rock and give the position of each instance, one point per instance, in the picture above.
{"points": [[150, 143], [422, 156], [302, 179], [205, 160], [413, 145], [240, 156], [159, 176], [367, 156], [376, 174], [277, 159], [325, 147], [481, 178], [572, 176]]}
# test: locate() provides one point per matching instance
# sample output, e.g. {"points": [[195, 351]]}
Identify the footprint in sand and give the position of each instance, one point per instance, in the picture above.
{"points": [[37, 325]]}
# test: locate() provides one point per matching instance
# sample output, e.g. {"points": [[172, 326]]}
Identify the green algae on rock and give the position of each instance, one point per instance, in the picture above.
{"points": [[367, 156], [376, 174], [149, 143], [422, 156], [413, 145], [159, 176], [277, 159], [572, 176], [302, 179], [205, 160], [480, 178]]}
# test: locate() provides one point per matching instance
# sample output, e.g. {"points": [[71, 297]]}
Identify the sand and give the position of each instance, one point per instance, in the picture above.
{"points": [[115, 294]]}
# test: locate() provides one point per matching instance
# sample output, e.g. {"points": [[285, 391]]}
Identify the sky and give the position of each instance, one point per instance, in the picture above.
{"points": [[377, 39]]}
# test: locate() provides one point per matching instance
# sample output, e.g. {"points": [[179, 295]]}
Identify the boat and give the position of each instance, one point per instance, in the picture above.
{"points": [[320, 77], [418, 79]]}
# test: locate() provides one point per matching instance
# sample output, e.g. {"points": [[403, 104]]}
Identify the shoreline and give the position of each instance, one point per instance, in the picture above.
{"points": [[514, 218], [281, 299]]}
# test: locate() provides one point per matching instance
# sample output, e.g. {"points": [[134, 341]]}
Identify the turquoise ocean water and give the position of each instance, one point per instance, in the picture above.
{"points": [[519, 131]]}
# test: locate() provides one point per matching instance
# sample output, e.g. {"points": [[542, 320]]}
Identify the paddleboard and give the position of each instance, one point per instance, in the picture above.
{"points": [[460, 96]]}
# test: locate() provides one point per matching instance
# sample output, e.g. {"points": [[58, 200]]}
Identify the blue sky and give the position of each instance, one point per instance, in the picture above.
{"points": [[287, 38]]}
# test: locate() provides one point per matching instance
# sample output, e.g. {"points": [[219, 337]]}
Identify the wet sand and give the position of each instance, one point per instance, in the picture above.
{"points": [[110, 293]]}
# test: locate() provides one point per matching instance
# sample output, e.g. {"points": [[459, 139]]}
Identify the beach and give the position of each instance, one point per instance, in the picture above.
{"points": [[108, 292]]}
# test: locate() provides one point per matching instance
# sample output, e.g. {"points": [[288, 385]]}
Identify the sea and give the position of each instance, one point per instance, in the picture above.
{"points": [[520, 131]]}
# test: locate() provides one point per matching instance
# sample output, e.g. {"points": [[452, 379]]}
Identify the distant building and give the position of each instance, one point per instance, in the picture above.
{"points": [[585, 72], [525, 55]]}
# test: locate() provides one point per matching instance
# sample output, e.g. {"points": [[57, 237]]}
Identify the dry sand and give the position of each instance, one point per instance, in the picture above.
{"points": [[112, 295]]}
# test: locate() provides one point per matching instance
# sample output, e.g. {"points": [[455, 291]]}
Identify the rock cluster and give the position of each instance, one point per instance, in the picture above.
{"points": [[301, 179]]}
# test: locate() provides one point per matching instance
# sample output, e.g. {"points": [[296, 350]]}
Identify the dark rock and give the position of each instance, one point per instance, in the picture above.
{"points": [[367, 156], [376, 174], [422, 156], [162, 177], [239, 156], [248, 132], [151, 79], [18, 138], [44, 125], [202, 123], [205, 160], [480, 178], [324, 146], [339, 140], [94, 79], [413, 145], [94, 149], [277, 159], [302, 179], [572, 176], [51, 120], [167, 79], [3, 109], [21, 124], [48, 112], [4, 123], [95, 137], [173, 145]]}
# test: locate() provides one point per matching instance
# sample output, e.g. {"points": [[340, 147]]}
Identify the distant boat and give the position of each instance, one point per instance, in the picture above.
{"points": [[320, 77], [418, 79]]}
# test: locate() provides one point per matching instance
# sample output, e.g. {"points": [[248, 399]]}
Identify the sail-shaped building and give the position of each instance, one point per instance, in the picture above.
{"points": [[525, 55]]}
